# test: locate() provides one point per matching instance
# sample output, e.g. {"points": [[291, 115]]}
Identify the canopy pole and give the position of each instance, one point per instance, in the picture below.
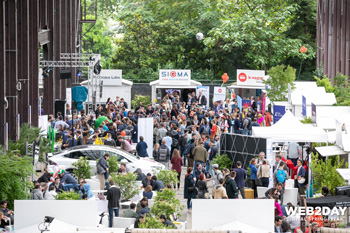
{"points": [[348, 164]]}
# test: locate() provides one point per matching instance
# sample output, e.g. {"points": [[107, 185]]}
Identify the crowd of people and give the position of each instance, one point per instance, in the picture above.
{"points": [[186, 133]]}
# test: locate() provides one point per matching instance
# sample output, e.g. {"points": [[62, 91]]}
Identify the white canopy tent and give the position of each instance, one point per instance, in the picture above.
{"points": [[290, 129]]}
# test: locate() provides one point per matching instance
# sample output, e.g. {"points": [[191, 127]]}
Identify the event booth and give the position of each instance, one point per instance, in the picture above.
{"points": [[109, 84], [249, 83], [171, 81]]}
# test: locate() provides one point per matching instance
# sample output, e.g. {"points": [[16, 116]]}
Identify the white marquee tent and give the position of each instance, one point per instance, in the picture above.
{"points": [[290, 129]]}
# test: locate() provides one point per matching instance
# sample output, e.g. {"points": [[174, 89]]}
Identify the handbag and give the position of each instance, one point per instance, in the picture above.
{"points": [[100, 169], [258, 181]]}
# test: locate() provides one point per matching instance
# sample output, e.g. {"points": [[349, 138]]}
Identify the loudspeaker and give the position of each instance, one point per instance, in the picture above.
{"points": [[65, 74], [60, 106]]}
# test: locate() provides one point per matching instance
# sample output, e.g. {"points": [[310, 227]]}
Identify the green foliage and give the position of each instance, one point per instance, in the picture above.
{"points": [[140, 98], [113, 164], [223, 161], [341, 88], [44, 148], [67, 195], [166, 203], [152, 222], [324, 173], [14, 173], [280, 77], [127, 184], [83, 168], [306, 120], [167, 176]]}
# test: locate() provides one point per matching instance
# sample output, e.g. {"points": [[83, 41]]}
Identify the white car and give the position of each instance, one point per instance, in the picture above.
{"points": [[93, 152]]}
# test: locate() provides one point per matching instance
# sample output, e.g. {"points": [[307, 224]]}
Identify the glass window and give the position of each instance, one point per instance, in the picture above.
{"points": [[76, 155], [120, 157]]}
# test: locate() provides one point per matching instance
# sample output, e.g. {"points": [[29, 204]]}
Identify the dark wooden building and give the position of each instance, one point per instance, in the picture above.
{"points": [[333, 36], [27, 28]]}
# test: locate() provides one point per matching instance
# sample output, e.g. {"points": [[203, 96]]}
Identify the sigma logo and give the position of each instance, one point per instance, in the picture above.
{"points": [[174, 74], [242, 77]]}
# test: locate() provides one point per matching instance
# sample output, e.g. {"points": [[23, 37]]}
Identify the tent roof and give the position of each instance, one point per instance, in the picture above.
{"points": [[192, 83], [239, 226], [124, 81], [326, 151], [344, 172], [290, 129]]}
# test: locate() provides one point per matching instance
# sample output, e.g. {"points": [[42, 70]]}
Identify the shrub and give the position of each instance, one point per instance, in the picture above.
{"points": [[83, 168], [151, 222], [113, 164], [144, 99], [223, 161], [127, 184], [324, 173], [167, 176], [166, 203], [14, 173], [66, 195], [306, 120]]}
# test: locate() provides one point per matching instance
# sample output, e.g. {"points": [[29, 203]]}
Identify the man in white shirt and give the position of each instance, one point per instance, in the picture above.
{"points": [[168, 140], [50, 195]]}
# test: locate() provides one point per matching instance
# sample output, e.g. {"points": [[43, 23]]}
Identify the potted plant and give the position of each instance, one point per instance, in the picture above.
{"points": [[166, 203], [167, 176], [83, 168], [66, 195], [127, 184]]}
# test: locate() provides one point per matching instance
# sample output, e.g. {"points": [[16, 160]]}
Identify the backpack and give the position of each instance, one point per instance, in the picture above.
{"points": [[191, 154], [163, 153], [206, 130], [218, 131], [174, 140], [281, 176], [183, 140]]}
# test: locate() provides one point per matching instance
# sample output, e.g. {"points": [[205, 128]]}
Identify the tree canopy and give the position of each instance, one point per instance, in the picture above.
{"points": [[238, 34]]}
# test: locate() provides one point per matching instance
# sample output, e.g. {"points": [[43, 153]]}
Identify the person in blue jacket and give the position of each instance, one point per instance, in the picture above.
{"points": [[141, 148], [253, 176]]}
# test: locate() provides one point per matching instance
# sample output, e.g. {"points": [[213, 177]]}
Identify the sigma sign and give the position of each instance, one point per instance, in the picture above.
{"points": [[250, 77], [174, 77]]}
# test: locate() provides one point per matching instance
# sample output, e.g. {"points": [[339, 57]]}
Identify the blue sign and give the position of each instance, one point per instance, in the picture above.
{"points": [[239, 102], [278, 112], [304, 106]]}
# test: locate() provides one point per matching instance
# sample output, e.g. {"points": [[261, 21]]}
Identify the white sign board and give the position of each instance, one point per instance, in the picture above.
{"points": [[175, 77], [145, 129], [205, 93], [261, 218], [111, 77], [250, 77], [219, 94], [43, 123], [81, 213]]}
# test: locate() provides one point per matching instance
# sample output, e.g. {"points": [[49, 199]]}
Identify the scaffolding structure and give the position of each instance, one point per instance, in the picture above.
{"points": [[80, 60]]}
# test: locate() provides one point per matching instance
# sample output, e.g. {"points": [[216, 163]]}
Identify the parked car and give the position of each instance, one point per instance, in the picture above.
{"points": [[93, 152]]}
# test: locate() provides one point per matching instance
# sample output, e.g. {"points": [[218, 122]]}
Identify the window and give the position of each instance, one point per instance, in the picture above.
{"points": [[120, 157], [90, 154]]}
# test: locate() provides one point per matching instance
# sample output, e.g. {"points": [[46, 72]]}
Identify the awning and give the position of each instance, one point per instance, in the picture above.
{"points": [[326, 151], [176, 87], [344, 172], [246, 87]]}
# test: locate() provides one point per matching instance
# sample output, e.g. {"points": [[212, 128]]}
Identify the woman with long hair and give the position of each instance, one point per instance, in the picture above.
{"points": [[189, 189], [155, 151], [202, 187], [177, 162], [263, 173], [253, 176]]}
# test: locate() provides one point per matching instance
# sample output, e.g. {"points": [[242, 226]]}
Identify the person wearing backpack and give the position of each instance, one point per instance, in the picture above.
{"points": [[246, 125], [164, 155], [174, 134], [280, 175], [190, 153], [263, 173], [205, 129], [182, 144]]}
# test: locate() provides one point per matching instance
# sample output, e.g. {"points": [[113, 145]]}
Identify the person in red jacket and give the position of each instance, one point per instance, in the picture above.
{"points": [[177, 162]]}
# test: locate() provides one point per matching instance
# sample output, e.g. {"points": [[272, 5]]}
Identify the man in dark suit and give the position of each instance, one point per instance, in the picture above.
{"points": [[147, 181], [157, 184], [80, 139], [300, 177], [113, 197], [241, 175], [202, 100]]}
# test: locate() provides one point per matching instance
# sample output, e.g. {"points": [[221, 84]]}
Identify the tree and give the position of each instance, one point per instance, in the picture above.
{"points": [[325, 173], [14, 173], [280, 77], [83, 170], [127, 184], [166, 203]]}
